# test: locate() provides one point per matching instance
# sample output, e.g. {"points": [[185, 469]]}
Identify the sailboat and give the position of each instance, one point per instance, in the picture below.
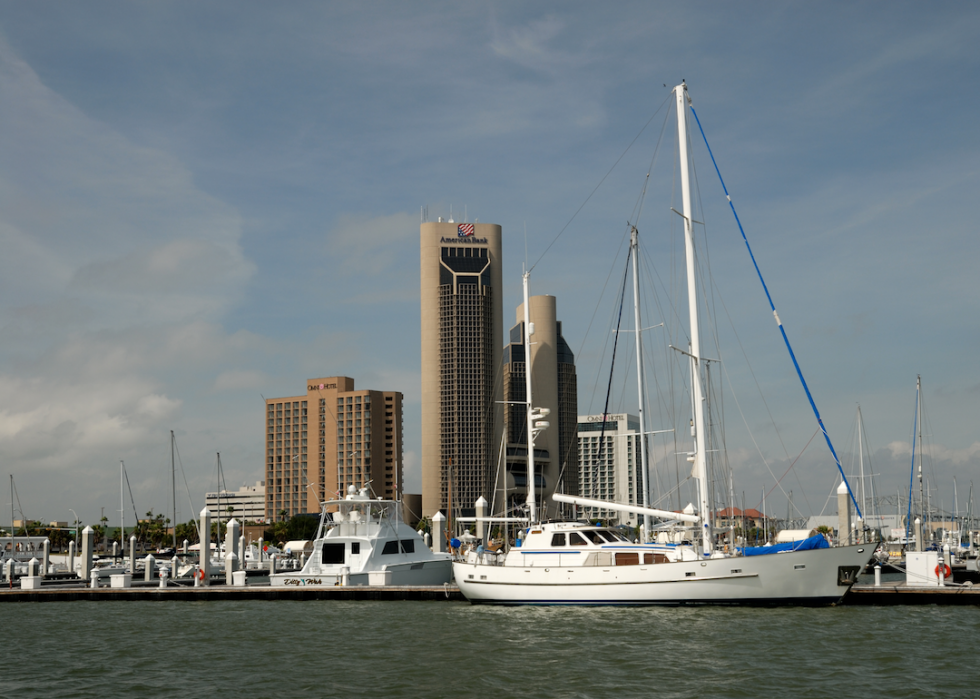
{"points": [[580, 563]]}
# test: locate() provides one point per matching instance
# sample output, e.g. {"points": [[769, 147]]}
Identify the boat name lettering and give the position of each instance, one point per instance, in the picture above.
{"points": [[303, 581]]}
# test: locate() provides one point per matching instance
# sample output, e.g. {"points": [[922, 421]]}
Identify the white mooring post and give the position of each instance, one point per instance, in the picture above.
{"points": [[32, 581], [232, 534], [163, 577], [87, 535], [439, 532], [115, 549], [272, 564], [878, 575], [45, 557], [231, 561], [843, 515], [205, 553], [149, 567], [8, 571], [94, 577], [918, 534], [71, 556], [132, 555], [186, 546], [261, 552], [481, 527]]}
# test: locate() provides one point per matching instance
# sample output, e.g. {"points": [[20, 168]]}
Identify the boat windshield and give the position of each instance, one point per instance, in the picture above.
{"points": [[614, 535]]}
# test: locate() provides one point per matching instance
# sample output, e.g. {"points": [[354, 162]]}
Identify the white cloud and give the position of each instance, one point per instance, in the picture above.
{"points": [[112, 225], [115, 269]]}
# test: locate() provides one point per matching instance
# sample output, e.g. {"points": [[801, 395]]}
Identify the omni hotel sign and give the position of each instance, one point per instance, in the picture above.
{"points": [[320, 386], [605, 418]]}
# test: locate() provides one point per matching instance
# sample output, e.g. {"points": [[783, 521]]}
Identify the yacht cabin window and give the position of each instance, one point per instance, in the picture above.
{"points": [[333, 554], [558, 539], [575, 540]]}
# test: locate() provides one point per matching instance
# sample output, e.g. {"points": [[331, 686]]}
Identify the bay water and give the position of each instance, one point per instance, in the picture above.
{"points": [[262, 649]]}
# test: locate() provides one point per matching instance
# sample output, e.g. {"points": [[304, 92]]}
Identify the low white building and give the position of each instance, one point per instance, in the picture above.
{"points": [[247, 503]]}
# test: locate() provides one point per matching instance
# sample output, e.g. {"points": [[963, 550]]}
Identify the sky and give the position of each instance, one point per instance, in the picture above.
{"points": [[202, 204]]}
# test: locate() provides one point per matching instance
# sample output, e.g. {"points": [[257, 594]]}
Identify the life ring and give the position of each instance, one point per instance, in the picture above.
{"points": [[945, 568], [200, 574]]}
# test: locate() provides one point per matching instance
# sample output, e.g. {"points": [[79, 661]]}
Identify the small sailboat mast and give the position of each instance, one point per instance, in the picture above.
{"points": [[531, 504], [698, 427], [173, 484], [122, 509], [640, 388]]}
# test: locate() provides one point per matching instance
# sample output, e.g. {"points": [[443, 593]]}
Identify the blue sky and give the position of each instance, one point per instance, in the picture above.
{"points": [[204, 204]]}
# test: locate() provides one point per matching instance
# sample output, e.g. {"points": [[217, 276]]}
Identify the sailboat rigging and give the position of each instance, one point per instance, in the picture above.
{"points": [[582, 563]]}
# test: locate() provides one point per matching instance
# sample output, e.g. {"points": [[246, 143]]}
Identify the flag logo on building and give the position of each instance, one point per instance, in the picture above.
{"points": [[465, 230]]}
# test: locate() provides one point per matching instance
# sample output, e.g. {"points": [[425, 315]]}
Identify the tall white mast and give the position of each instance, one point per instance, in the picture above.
{"points": [[918, 419], [700, 452], [634, 249]]}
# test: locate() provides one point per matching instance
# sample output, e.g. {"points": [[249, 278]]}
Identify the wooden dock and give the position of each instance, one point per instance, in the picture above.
{"points": [[889, 593], [893, 593], [362, 593]]}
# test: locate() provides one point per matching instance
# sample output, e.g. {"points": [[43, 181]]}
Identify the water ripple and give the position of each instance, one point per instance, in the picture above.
{"points": [[427, 649]]}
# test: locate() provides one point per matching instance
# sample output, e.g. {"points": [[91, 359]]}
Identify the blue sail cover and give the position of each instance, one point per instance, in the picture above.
{"points": [[817, 541]]}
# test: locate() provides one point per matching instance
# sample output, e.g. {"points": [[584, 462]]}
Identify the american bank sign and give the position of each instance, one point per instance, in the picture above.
{"points": [[464, 241]]}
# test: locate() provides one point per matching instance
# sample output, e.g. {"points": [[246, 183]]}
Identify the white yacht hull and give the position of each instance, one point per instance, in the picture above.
{"points": [[407, 574], [814, 577]]}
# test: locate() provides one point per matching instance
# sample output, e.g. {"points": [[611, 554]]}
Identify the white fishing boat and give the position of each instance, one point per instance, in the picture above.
{"points": [[363, 541], [581, 563]]}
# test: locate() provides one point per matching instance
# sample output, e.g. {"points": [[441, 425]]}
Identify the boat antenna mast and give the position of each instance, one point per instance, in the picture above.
{"points": [[700, 451]]}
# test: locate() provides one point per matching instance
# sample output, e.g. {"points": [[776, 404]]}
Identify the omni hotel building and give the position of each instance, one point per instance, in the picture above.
{"points": [[462, 347], [329, 438], [609, 463]]}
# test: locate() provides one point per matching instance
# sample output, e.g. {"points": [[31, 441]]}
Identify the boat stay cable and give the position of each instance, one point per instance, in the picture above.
{"points": [[599, 184], [612, 366], [782, 330]]}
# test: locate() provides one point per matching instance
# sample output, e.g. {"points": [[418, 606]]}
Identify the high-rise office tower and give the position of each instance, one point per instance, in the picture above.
{"points": [[329, 438], [553, 386], [462, 324]]}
